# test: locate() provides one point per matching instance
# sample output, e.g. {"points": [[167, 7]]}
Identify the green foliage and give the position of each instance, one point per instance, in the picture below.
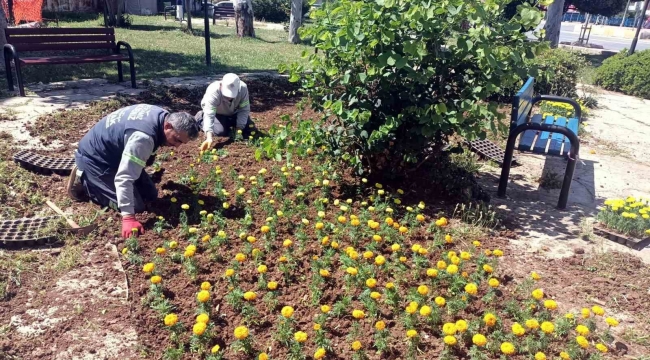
{"points": [[559, 72], [627, 74], [277, 11], [599, 7], [396, 77]]}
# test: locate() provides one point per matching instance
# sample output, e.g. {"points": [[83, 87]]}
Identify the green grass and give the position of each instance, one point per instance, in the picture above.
{"points": [[162, 49]]}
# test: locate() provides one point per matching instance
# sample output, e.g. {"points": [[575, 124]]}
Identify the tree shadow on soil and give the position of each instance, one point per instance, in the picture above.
{"points": [[533, 209]]}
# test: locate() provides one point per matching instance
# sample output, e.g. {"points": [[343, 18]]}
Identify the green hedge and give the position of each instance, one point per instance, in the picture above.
{"points": [[277, 11], [559, 72], [627, 74]]}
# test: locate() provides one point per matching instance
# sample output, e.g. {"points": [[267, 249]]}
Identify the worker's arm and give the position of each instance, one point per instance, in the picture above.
{"points": [[244, 109], [209, 106], [138, 147]]}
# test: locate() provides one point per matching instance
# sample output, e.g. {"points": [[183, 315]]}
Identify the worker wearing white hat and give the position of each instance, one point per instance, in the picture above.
{"points": [[225, 105]]}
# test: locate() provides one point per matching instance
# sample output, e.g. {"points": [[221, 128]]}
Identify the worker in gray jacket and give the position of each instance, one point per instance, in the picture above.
{"points": [[111, 157], [225, 105]]}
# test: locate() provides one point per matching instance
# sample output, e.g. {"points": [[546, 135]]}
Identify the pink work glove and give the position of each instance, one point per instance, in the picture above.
{"points": [[129, 223]]}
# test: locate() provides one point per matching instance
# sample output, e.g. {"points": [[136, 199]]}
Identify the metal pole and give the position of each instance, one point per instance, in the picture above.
{"points": [[208, 58], [638, 27], [625, 13]]}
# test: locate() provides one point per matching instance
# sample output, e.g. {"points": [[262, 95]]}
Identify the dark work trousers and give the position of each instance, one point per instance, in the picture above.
{"points": [[223, 124], [100, 185]]}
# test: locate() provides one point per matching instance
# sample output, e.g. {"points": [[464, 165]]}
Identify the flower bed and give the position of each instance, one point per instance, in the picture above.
{"points": [[297, 259], [626, 221]]}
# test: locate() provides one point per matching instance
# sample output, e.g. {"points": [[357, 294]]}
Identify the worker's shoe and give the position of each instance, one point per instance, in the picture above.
{"points": [[74, 187]]}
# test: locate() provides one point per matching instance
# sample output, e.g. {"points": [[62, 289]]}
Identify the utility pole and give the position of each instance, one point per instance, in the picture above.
{"points": [[206, 24], [638, 27]]}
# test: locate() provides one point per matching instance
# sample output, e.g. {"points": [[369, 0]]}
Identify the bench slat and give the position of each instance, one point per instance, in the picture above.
{"points": [[58, 31], [522, 102], [73, 59], [60, 39], [526, 139], [542, 141], [573, 126], [555, 148], [63, 47]]}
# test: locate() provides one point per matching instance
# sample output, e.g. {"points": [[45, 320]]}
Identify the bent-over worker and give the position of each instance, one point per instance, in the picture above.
{"points": [[111, 158], [225, 105]]}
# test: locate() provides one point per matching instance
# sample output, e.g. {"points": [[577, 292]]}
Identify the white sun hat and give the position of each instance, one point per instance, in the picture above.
{"points": [[230, 85]]}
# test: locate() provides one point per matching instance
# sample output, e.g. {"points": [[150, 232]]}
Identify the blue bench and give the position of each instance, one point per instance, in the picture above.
{"points": [[547, 136]]}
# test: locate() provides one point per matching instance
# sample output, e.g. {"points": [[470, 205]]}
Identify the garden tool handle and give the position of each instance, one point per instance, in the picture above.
{"points": [[60, 212]]}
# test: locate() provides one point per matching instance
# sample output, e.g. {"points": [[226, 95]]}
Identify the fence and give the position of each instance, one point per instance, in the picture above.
{"points": [[599, 20]]}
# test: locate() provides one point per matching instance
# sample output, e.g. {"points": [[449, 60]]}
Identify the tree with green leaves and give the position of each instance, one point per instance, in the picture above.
{"points": [[599, 7], [396, 78]]}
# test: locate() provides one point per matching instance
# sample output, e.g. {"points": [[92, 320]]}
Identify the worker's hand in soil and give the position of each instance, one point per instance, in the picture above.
{"points": [[131, 226], [208, 143]]}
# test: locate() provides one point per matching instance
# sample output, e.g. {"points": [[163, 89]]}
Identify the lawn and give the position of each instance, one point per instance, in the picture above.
{"points": [[162, 49]]}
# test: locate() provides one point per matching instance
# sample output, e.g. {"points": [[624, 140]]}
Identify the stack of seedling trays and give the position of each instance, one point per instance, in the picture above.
{"points": [[28, 232], [44, 164]]}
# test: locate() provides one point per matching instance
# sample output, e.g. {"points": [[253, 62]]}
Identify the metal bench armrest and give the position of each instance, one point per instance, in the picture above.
{"points": [[126, 45], [576, 106], [10, 52]]}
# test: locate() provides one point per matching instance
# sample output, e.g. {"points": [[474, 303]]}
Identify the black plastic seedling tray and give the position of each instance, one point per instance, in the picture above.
{"points": [[44, 164], [27, 232]]}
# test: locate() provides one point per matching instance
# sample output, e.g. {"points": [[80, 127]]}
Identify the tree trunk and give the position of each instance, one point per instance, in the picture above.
{"points": [[244, 18], [3, 40], [114, 11], [553, 24], [187, 4], [295, 21]]}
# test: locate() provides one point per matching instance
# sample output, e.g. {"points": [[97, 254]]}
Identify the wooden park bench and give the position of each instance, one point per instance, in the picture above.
{"points": [[223, 10], [553, 136], [53, 40], [170, 9]]}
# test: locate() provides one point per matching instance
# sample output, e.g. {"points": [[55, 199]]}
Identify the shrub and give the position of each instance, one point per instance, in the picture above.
{"points": [[559, 70], [277, 11], [627, 74], [398, 77]]}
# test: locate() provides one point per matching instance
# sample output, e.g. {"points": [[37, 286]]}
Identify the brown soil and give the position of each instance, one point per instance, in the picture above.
{"points": [[566, 280]]}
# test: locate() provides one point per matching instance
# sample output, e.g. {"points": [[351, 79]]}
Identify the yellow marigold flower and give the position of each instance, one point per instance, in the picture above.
{"points": [[171, 319], [262, 356], [493, 282], [371, 283], [380, 325], [488, 252], [241, 332], [342, 219], [334, 245], [450, 340], [199, 328], [601, 347], [565, 356], [585, 313], [582, 330], [411, 333], [452, 269], [324, 272], [148, 268], [250, 295], [203, 318], [497, 252], [441, 265], [440, 301], [448, 239], [358, 314], [442, 222], [203, 296], [375, 295], [156, 279], [449, 329], [548, 327], [395, 247], [160, 251], [535, 276], [215, 349], [300, 336], [540, 356], [317, 327], [264, 229], [279, 213], [368, 254], [229, 273], [320, 225], [538, 294], [412, 307], [320, 354], [416, 247], [479, 340], [192, 230], [582, 342], [389, 285], [325, 309], [471, 289], [389, 221], [465, 255], [173, 244], [532, 324], [611, 321], [419, 217], [272, 285], [597, 310], [403, 230], [352, 271], [287, 311], [432, 273], [507, 348], [489, 319], [488, 269], [173, 200], [403, 259], [550, 304], [185, 206], [518, 330], [380, 260], [461, 326], [423, 290], [569, 316], [356, 346], [376, 238]]}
